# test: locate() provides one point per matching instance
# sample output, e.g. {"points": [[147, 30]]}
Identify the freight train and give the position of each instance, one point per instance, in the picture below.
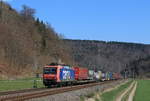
{"points": [[59, 74]]}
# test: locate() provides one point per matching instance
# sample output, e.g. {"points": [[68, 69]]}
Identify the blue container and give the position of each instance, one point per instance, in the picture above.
{"points": [[110, 75], [67, 74]]}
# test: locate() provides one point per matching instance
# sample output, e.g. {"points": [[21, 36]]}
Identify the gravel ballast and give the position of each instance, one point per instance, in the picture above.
{"points": [[76, 95]]}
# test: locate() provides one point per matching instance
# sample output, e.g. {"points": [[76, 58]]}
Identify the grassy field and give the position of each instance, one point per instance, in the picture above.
{"points": [[110, 96], [142, 91], [6, 85]]}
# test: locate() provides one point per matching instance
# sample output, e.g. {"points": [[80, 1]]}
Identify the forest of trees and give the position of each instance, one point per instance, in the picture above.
{"points": [[27, 44], [111, 56]]}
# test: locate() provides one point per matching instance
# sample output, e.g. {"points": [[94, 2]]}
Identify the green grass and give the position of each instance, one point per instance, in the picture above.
{"points": [[82, 98], [110, 96], [6, 85], [142, 91]]}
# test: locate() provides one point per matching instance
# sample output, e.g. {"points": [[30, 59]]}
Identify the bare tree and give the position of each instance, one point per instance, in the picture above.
{"points": [[27, 12]]}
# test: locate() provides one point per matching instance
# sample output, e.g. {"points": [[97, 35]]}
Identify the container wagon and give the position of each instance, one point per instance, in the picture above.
{"points": [[116, 76], [110, 76], [81, 73], [103, 77], [91, 74], [98, 76]]}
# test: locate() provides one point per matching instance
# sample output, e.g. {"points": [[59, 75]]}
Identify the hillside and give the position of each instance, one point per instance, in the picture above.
{"points": [[111, 56], [26, 43]]}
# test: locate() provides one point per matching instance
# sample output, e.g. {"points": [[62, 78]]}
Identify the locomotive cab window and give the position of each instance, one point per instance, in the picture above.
{"points": [[51, 70]]}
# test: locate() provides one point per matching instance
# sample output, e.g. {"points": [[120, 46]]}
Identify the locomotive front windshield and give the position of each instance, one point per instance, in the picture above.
{"points": [[51, 70]]}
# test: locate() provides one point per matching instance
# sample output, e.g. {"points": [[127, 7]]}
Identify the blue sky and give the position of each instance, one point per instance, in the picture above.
{"points": [[108, 20]]}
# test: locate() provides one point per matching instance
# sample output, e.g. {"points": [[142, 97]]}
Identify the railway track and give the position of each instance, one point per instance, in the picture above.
{"points": [[41, 92], [20, 91]]}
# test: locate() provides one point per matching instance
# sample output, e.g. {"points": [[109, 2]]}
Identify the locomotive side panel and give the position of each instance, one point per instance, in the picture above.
{"points": [[67, 74]]}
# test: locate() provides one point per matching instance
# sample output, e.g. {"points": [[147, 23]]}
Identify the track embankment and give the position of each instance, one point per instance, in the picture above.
{"points": [[24, 95], [79, 94]]}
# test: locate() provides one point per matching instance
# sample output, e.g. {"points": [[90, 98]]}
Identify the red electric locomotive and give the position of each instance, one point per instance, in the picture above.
{"points": [[55, 74]]}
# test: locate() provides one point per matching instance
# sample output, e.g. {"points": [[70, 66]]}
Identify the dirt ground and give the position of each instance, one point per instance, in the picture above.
{"points": [[131, 95], [132, 87]]}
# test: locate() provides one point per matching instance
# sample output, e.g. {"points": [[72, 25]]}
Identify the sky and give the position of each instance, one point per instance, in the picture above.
{"points": [[107, 20]]}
